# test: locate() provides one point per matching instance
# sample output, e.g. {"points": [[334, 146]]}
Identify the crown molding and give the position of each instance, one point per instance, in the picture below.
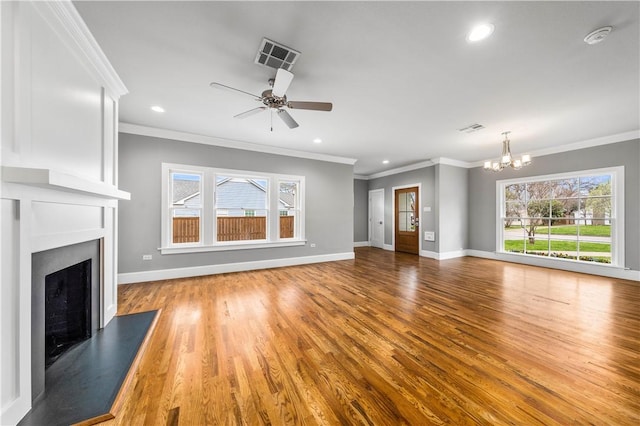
{"points": [[63, 15], [452, 162], [416, 166], [605, 140], [135, 129], [410, 167]]}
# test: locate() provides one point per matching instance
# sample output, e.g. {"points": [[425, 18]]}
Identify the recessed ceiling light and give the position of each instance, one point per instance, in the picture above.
{"points": [[317, 140], [385, 161], [596, 36], [480, 32], [157, 108]]}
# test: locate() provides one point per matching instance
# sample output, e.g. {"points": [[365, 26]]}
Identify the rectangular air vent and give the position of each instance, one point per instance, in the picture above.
{"points": [[472, 128], [275, 55]]}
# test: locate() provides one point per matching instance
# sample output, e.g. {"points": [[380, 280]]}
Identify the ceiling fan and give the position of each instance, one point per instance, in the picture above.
{"points": [[275, 99]]}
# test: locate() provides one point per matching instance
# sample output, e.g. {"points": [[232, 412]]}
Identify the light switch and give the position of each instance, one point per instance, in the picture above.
{"points": [[427, 209]]}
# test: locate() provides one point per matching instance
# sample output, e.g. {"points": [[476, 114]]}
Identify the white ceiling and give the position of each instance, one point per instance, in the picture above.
{"points": [[401, 75]]}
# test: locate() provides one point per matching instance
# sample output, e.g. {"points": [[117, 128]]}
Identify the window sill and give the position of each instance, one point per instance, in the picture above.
{"points": [[549, 260], [234, 245]]}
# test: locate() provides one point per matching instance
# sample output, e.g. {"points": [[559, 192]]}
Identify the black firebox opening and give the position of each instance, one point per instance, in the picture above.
{"points": [[67, 309]]}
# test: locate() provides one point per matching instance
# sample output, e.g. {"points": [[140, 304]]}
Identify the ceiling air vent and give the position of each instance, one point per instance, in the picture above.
{"points": [[275, 55], [472, 128]]}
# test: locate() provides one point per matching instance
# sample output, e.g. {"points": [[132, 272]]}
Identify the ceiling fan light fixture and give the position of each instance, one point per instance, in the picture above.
{"points": [[480, 32], [275, 99]]}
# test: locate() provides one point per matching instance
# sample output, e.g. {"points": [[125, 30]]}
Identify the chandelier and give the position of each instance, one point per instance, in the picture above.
{"points": [[507, 160]]}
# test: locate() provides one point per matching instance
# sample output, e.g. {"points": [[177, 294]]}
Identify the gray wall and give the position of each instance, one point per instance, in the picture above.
{"points": [[360, 210], [452, 213], [329, 202], [426, 177], [482, 191]]}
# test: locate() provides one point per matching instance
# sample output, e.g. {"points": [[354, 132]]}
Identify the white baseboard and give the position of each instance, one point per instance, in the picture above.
{"points": [[585, 268], [195, 271], [443, 256], [452, 254], [388, 247], [361, 244], [429, 254]]}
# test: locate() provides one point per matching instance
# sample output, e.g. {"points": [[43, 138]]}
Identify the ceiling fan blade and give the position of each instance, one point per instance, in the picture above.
{"points": [[288, 120], [282, 82], [250, 112], [232, 89], [316, 106]]}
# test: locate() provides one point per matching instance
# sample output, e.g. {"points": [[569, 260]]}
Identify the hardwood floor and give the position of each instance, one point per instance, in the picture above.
{"points": [[388, 339]]}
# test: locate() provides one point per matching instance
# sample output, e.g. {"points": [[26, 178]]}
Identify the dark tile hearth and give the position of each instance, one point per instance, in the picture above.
{"points": [[83, 384]]}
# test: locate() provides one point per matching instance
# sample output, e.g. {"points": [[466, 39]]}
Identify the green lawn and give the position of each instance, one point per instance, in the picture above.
{"points": [[517, 245], [586, 230]]}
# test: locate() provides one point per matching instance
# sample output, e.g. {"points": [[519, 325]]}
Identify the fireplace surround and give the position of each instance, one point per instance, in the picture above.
{"points": [[52, 264]]}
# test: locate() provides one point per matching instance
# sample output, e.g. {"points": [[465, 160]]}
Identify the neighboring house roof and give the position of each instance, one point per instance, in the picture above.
{"points": [[184, 189], [230, 193], [287, 199], [240, 193]]}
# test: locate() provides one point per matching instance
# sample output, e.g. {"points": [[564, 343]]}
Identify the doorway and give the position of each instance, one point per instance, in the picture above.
{"points": [[376, 218], [407, 220]]}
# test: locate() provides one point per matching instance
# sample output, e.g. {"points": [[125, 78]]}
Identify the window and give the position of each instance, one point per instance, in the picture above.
{"points": [[241, 207], [289, 208], [575, 217], [186, 207], [218, 209]]}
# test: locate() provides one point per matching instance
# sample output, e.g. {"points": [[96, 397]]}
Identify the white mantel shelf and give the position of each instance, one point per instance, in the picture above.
{"points": [[53, 179]]}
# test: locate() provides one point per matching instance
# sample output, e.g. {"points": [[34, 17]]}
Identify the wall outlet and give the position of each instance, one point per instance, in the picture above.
{"points": [[313, 245], [429, 236], [147, 257]]}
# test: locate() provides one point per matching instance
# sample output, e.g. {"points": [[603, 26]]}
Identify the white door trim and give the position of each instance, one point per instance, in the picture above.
{"points": [[370, 224], [393, 213]]}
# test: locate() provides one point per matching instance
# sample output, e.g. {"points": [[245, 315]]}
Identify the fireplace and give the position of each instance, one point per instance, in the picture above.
{"points": [[65, 295], [67, 309]]}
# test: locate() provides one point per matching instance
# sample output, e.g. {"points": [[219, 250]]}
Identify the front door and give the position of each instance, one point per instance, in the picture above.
{"points": [[407, 232]]}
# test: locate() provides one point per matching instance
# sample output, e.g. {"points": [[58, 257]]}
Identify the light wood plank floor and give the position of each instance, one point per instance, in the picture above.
{"points": [[388, 339]]}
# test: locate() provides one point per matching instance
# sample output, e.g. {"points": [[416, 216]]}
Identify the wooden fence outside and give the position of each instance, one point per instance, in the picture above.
{"points": [[242, 228], [286, 226], [187, 229]]}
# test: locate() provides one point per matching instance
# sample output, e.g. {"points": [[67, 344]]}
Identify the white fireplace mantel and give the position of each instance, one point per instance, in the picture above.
{"points": [[57, 180]]}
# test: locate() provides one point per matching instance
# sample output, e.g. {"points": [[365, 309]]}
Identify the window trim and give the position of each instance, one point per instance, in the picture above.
{"points": [[165, 217], [208, 218], [617, 213]]}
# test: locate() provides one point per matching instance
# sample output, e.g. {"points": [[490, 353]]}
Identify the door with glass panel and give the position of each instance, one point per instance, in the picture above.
{"points": [[407, 232]]}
